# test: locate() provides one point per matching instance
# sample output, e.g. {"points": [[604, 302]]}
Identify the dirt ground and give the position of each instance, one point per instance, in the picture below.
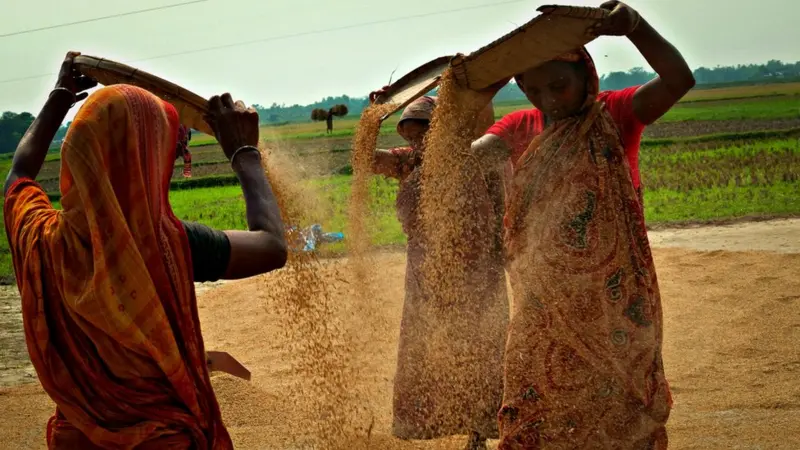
{"points": [[731, 299]]}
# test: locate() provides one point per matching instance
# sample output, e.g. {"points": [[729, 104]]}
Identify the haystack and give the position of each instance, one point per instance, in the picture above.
{"points": [[319, 115], [339, 110]]}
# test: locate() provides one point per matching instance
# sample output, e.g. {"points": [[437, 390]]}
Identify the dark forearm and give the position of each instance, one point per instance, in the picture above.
{"points": [[33, 146], [263, 213], [663, 57]]}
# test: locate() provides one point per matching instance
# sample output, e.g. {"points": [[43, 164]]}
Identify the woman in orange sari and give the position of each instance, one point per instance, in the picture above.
{"points": [[106, 284], [583, 366]]}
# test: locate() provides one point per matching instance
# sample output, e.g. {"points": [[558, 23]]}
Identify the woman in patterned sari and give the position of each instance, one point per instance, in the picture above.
{"points": [[583, 366], [106, 283], [430, 401]]}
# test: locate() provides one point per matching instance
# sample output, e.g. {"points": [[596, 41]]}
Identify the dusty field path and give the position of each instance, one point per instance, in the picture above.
{"points": [[732, 327], [782, 236]]}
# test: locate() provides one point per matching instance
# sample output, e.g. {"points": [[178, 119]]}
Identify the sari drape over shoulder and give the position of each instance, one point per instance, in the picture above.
{"points": [[583, 366], [108, 302]]}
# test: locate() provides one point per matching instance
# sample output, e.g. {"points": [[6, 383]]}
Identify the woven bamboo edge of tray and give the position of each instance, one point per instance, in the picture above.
{"points": [[578, 12], [459, 63], [191, 107]]}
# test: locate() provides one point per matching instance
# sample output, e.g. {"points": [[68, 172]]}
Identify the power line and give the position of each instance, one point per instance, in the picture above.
{"points": [[328, 30], [293, 35], [96, 19]]}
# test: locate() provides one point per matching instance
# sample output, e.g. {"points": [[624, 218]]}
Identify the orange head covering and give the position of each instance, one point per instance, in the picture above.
{"points": [[109, 307]]}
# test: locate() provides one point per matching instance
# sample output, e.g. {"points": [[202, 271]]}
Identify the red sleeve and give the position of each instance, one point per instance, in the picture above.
{"points": [[620, 106], [517, 130], [400, 151]]}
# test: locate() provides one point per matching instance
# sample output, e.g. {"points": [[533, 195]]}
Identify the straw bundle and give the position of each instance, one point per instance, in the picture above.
{"points": [[319, 115], [339, 110]]}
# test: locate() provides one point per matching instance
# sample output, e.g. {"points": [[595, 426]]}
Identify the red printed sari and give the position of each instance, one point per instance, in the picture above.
{"points": [[583, 364]]}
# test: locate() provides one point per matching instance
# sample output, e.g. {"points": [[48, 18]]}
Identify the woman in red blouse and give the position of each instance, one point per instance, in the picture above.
{"points": [[583, 366]]}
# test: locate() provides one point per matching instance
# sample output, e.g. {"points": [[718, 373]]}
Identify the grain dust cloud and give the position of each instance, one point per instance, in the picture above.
{"points": [[322, 344], [452, 190], [361, 264], [317, 339]]}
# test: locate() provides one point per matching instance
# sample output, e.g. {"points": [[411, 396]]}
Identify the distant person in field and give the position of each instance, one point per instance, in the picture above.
{"points": [[108, 300], [184, 136], [583, 366], [422, 383], [329, 122]]}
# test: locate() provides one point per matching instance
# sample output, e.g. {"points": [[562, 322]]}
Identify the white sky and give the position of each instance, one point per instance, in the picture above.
{"points": [[304, 69]]}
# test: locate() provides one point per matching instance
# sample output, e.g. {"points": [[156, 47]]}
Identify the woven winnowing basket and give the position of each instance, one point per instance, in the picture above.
{"points": [[559, 29], [414, 84], [191, 108]]}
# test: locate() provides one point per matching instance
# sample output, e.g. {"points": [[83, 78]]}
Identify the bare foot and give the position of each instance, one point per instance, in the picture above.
{"points": [[476, 442]]}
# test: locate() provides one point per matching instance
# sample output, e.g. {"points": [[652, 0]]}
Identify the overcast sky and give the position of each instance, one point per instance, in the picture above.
{"points": [[353, 61]]}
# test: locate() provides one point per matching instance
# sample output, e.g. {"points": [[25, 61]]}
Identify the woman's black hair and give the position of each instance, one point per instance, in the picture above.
{"points": [[414, 120], [579, 67]]}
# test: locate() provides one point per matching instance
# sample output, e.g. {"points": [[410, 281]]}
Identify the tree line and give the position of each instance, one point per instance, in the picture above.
{"points": [[13, 125]]}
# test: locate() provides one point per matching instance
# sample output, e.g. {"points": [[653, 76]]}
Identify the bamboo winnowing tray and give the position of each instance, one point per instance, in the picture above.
{"points": [[414, 84], [191, 108], [559, 29]]}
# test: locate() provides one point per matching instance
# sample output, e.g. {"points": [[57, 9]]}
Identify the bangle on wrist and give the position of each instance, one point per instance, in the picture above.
{"points": [[244, 148], [72, 94]]}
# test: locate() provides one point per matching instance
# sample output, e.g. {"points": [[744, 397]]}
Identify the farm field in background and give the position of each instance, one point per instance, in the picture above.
{"points": [[701, 181], [721, 154], [753, 108], [718, 109], [770, 94]]}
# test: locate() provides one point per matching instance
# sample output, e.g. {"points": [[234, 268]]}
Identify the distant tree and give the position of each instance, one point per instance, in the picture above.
{"points": [[13, 125], [12, 128], [61, 133], [302, 113]]}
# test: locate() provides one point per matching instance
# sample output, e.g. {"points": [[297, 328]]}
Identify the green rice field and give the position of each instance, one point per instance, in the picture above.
{"points": [[722, 154]]}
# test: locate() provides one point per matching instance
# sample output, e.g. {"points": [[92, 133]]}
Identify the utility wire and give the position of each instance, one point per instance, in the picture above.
{"points": [[294, 35], [328, 30], [97, 19]]}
